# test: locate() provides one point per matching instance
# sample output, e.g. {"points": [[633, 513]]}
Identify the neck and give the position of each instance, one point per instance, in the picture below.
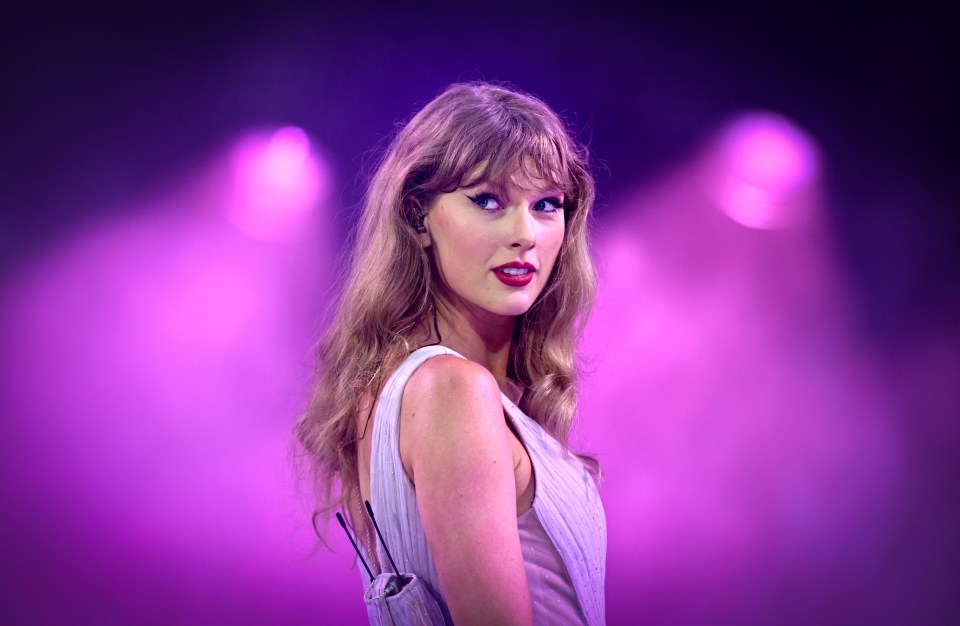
{"points": [[479, 336]]}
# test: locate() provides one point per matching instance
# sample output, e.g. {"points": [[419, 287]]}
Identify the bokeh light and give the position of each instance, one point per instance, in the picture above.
{"points": [[766, 171], [278, 179], [180, 367], [746, 436]]}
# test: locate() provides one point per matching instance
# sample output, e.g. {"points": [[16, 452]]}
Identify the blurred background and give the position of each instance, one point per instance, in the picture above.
{"points": [[771, 369]]}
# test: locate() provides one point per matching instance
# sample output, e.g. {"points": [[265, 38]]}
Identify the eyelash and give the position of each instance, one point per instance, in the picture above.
{"points": [[484, 197], [555, 203]]}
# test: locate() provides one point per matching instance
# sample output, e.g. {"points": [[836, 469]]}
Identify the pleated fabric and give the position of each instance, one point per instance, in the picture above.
{"points": [[566, 500]]}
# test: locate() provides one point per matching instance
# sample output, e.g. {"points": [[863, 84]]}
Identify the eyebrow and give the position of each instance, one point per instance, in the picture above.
{"points": [[501, 190]]}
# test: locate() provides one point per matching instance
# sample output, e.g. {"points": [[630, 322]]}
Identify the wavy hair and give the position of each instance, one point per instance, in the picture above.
{"points": [[478, 131]]}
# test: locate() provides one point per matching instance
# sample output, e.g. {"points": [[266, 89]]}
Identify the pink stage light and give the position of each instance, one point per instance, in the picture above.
{"points": [[179, 349], [766, 170], [747, 442], [277, 182]]}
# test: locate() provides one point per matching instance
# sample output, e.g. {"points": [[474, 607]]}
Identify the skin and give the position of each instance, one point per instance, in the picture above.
{"points": [[472, 474], [474, 229]]}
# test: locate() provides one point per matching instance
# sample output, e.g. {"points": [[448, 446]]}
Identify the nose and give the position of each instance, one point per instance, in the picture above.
{"points": [[522, 229]]}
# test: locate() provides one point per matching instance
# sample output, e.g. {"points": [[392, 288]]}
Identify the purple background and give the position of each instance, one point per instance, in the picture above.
{"points": [[775, 408]]}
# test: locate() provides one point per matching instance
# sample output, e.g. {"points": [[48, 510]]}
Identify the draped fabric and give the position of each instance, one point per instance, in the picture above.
{"points": [[566, 503], [413, 605]]}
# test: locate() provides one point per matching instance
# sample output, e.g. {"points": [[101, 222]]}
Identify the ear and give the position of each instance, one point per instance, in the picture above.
{"points": [[424, 236]]}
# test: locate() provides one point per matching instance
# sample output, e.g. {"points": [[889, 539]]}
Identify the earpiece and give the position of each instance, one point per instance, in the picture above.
{"points": [[418, 220]]}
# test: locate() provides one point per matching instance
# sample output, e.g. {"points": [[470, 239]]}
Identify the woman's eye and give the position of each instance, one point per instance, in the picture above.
{"points": [[486, 201], [548, 205]]}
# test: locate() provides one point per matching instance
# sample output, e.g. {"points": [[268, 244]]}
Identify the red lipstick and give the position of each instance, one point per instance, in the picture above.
{"points": [[515, 273]]}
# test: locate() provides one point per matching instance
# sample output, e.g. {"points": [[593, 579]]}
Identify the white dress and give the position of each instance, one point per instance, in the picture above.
{"points": [[563, 536]]}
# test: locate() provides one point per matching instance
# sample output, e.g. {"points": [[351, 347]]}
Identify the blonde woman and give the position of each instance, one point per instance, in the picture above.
{"points": [[446, 381]]}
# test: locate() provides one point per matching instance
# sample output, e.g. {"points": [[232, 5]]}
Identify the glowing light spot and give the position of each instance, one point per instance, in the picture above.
{"points": [[767, 169], [278, 182], [289, 147]]}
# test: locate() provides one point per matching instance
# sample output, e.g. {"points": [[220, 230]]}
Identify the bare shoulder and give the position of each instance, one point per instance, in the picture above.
{"points": [[447, 377], [450, 404], [457, 448]]}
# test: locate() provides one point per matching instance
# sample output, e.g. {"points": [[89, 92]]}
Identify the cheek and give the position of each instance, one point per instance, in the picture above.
{"points": [[455, 242], [450, 229], [552, 241]]}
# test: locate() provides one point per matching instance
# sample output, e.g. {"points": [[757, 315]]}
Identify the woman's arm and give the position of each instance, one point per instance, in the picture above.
{"points": [[457, 449]]}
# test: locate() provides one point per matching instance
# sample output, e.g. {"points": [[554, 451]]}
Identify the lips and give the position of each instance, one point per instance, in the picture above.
{"points": [[515, 273]]}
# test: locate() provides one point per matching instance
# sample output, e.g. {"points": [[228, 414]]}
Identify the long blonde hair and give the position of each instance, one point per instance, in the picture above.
{"points": [[486, 132]]}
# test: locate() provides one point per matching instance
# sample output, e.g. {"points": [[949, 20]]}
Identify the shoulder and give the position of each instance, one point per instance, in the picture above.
{"points": [[457, 449], [447, 378], [451, 408]]}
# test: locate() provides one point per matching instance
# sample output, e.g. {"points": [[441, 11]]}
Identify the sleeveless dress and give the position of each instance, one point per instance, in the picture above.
{"points": [[563, 536]]}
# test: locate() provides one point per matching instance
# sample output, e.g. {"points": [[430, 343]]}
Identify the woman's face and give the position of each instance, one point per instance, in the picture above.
{"points": [[495, 245]]}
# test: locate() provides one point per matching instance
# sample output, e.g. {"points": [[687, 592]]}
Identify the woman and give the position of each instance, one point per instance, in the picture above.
{"points": [[446, 382]]}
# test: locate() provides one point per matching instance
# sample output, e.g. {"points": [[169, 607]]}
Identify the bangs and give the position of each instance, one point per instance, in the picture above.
{"points": [[522, 160], [515, 152]]}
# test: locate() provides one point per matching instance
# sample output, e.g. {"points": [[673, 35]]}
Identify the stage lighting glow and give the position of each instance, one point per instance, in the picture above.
{"points": [[180, 366], [766, 171], [278, 181], [288, 148], [742, 423]]}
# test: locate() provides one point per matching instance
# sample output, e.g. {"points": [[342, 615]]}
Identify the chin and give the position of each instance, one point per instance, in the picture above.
{"points": [[516, 307]]}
